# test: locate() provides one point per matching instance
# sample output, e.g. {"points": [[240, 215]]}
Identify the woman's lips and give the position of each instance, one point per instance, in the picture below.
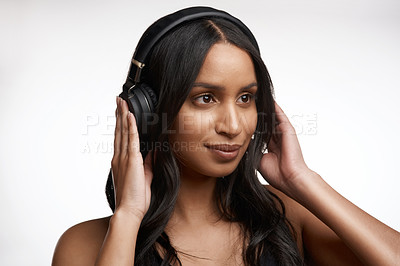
{"points": [[225, 151]]}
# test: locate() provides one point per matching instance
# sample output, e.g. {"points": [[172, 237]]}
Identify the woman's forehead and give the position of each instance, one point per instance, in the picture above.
{"points": [[226, 63]]}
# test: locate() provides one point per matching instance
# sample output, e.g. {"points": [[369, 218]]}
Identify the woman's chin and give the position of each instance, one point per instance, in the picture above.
{"points": [[221, 171], [213, 171]]}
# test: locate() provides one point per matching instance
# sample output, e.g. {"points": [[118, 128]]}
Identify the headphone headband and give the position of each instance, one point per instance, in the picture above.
{"points": [[162, 26]]}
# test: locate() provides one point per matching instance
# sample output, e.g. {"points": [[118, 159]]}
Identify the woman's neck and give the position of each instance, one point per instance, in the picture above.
{"points": [[196, 201]]}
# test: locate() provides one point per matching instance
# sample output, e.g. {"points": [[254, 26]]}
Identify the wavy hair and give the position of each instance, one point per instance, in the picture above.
{"points": [[174, 65]]}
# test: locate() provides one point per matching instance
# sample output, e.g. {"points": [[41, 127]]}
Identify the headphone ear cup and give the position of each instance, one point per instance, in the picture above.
{"points": [[142, 101], [152, 96]]}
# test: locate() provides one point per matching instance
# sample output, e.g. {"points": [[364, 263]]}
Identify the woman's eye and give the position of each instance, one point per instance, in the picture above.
{"points": [[245, 98], [204, 99]]}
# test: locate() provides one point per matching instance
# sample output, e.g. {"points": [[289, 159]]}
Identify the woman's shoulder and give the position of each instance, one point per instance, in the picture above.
{"points": [[294, 211], [81, 243]]}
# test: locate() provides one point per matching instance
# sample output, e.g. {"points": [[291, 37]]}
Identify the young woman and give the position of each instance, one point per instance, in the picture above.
{"points": [[196, 198]]}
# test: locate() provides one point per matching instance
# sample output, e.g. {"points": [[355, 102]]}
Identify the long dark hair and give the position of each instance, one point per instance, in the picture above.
{"points": [[174, 65]]}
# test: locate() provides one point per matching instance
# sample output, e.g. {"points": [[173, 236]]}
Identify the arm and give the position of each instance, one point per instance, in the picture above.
{"points": [[112, 241], [348, 228], [120, 241], [132, 182], [373, 242]]}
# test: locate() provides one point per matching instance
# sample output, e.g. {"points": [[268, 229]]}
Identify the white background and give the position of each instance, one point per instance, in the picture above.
{"points": [[335, 66]]}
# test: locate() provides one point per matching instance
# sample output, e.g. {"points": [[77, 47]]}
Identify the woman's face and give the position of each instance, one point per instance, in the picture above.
{"points": [[214, 126]]}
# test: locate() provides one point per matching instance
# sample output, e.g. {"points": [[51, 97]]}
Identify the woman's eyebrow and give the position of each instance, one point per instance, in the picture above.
{"points": [[254, 84], [212, 86]]}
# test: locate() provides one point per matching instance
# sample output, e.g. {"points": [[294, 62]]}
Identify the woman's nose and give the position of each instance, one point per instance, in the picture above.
{"points": [[228, 121]]}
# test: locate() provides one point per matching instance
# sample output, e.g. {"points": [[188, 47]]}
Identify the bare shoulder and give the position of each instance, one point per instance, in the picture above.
{"points": [[81, 243], [295, 212], [318, 243]]}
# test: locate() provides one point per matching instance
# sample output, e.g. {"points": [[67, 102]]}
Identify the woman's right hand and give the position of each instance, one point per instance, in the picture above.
{"points": [[131, 177]]}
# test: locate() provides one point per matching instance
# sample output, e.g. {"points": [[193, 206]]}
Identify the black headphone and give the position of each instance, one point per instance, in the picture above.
{"points": [[140, 97]]}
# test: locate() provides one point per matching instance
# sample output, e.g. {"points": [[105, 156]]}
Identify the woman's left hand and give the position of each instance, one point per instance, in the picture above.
{"points": [[283, 164]]}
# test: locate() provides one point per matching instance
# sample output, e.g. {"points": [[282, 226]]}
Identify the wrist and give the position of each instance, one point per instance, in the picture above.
{"points": [[303, 184], [127, 216]]}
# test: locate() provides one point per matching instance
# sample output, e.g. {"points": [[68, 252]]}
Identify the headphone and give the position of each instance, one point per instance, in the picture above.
{"points": [[141, 98]]}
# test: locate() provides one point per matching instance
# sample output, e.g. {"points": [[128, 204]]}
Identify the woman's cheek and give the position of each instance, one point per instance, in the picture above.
{"points": [[249, 120]]}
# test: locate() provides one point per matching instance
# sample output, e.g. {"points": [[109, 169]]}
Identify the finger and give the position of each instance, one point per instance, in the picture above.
{"points": [[280, 115], [124, 110], [148, 169], [114, 184], [273, 144], [117, 132], [288, 139], [283, 125], [148, 173], [133, 137]]}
